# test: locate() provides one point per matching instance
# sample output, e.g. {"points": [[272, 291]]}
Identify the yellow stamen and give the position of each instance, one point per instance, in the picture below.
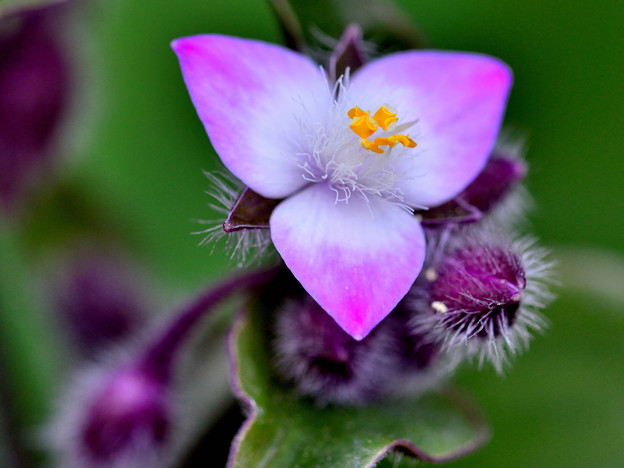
{"points": [[363, 126], [366, 144], [355, 112], [388, 141], [384, 117], [405, 140]]}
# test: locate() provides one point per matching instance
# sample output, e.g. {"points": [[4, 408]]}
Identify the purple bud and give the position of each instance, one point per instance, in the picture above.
{"points": [[482, 298], [100, 299], [33, 92], [348, 54], [478, 290], [129, 414], [499, 176], [326, 363]]}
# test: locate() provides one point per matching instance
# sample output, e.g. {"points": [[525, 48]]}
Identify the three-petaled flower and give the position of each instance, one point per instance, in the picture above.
{"points": [[350, 181]]}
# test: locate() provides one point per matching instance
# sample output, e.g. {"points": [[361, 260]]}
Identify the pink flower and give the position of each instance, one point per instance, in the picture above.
{"points": [[351, 160]]}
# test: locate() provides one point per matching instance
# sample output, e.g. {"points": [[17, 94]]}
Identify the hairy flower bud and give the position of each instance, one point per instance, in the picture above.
{"points": [[482, 298], [325, 362]]}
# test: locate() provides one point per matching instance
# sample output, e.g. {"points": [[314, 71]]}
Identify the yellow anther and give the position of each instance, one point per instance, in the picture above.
{"points": [[362, 125], [388, 141], [381, 141], [405, 140], [384, 117], [355, 112], [372, 146]]}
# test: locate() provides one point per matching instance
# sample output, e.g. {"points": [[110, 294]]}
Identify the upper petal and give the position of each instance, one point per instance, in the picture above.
{"points": [[356, 259], [248, 95], [458, 100]]}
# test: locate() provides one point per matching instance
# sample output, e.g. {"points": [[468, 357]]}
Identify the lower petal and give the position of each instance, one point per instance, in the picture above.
{"points": [[356, 259]]}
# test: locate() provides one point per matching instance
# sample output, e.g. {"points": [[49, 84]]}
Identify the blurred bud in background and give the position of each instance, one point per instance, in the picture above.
{"points": [[126, 414], [119, 418], [34, 86], [99, 296]]}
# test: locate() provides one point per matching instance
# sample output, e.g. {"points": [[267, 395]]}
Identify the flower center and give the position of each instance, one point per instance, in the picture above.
{"points": [[357, 155], [363, 126]]}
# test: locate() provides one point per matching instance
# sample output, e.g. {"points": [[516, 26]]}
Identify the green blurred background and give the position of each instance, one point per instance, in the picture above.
{"points": [[135, 151]]}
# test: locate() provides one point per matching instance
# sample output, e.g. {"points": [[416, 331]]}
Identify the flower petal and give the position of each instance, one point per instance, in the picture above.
{"points": [[248, 95], [356, 259], [458, 100]]}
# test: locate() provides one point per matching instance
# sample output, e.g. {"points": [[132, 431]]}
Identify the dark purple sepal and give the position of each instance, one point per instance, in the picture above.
{"points": [[455, 211], [348, 53], [251, 211], [497, 179]]}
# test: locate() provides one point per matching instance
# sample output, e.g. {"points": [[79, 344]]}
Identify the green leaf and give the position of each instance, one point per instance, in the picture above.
{"points": [[383, 22], [285, 430]]}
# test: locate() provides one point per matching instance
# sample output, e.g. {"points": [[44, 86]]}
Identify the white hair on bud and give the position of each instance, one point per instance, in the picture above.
{"points": [[513, 208]]}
